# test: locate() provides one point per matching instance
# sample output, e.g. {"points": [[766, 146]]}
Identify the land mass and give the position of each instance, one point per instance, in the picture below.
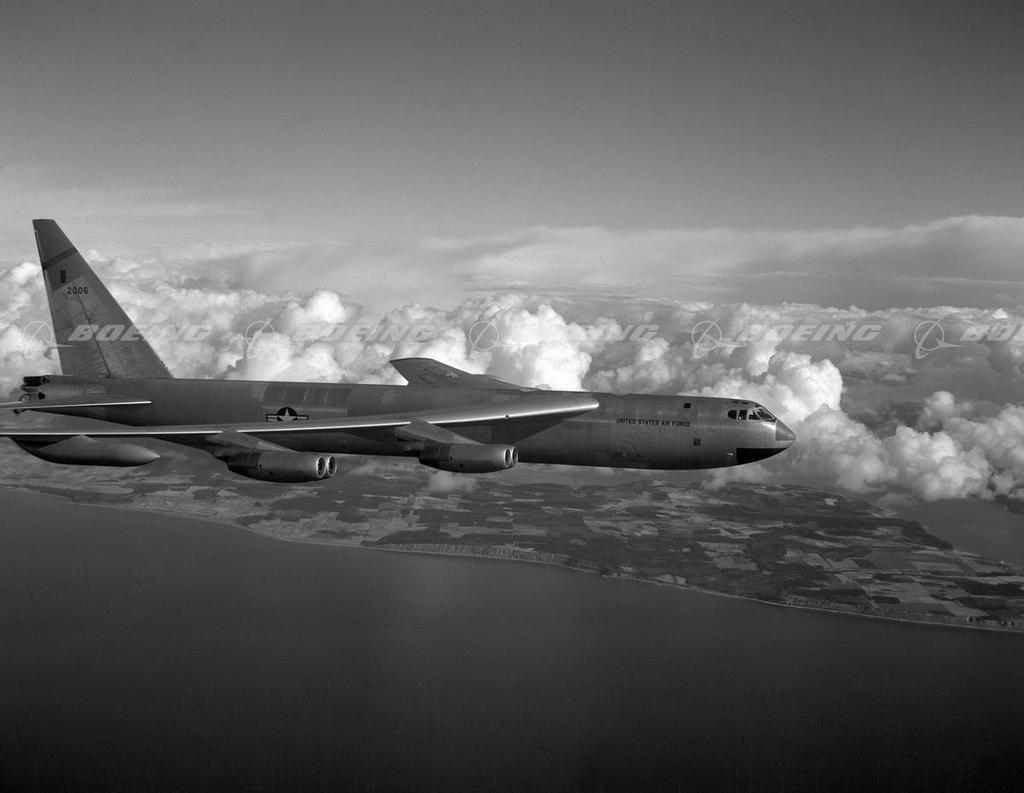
{"points": [[788, 545]]}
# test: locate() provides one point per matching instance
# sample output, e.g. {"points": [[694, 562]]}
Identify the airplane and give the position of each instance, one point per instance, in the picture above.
{"points": [[444, 417]]}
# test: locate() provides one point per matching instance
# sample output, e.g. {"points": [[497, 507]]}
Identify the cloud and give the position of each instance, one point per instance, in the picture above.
{"points": [[958, 458], [793, 384], [874, 411], [965, 261], [961, 260], [447, 482]]}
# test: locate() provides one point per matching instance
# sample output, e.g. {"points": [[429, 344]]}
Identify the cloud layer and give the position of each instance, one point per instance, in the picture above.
{"points": [[869, 392]]}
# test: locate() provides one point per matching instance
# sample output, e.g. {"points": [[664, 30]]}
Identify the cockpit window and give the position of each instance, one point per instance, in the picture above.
{"points": [[755, 414]]}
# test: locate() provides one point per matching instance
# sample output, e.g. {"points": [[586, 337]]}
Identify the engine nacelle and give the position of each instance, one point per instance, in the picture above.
{"points": [[284, 466], [470, 458], [82, 450]]}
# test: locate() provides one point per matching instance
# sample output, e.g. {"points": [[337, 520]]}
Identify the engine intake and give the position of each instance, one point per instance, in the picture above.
{"points": [[470, 458], [284, 466]]}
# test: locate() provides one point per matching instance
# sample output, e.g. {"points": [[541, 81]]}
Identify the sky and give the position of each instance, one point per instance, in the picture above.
{"points": [[339, 120], [549, 168]]}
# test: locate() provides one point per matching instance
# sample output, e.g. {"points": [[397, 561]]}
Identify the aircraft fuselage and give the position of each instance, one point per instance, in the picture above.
{"points": [[625, 431]]}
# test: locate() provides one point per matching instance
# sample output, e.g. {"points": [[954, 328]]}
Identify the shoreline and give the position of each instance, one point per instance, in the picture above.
{"points": [[486, 552]]}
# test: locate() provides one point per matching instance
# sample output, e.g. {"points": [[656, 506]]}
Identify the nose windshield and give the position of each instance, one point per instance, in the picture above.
{"points": [[754, 414]]}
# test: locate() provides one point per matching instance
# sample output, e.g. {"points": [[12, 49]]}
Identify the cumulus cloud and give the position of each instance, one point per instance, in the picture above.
{"points": [[447, 482], [869, 392], [793, 384], [958, 458]]}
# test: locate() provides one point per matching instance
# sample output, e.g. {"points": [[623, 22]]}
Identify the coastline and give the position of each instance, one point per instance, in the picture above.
{"points": [[512, 554]]}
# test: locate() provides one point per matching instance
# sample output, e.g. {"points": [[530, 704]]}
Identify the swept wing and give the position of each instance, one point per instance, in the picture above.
{"points": [[105, 401], [426, 425]]}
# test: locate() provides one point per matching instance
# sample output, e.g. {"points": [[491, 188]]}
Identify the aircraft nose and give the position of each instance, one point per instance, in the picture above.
{"points": [[784, 434]]}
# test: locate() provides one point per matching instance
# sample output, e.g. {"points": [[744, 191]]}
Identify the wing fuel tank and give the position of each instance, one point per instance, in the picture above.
{"points": [[80, 450]]}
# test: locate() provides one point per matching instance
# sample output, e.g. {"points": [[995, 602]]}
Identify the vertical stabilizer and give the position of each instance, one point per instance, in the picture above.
{"points": [[93, 334]]}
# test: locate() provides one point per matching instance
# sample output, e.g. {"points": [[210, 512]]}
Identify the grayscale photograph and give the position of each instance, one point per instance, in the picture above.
{"points": [[511, 396]]}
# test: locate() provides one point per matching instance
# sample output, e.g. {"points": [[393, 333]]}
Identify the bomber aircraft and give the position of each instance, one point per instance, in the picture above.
{"points": [[444, 417]]}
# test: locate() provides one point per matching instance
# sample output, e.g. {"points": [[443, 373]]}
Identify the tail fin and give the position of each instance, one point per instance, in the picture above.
{"points": [[93, 335]]}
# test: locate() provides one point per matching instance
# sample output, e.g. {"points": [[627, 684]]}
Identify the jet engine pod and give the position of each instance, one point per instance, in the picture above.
{"points": [[284, 466], [470, 458], [82, 450]]}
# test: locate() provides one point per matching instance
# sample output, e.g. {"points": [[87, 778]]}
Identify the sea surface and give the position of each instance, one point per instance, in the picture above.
{"points": [[145, 652], [985, 527]]}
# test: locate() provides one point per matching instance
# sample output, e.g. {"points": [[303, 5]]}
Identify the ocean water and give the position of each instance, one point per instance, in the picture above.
{"points": [[985, 527], [143, 652]]}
